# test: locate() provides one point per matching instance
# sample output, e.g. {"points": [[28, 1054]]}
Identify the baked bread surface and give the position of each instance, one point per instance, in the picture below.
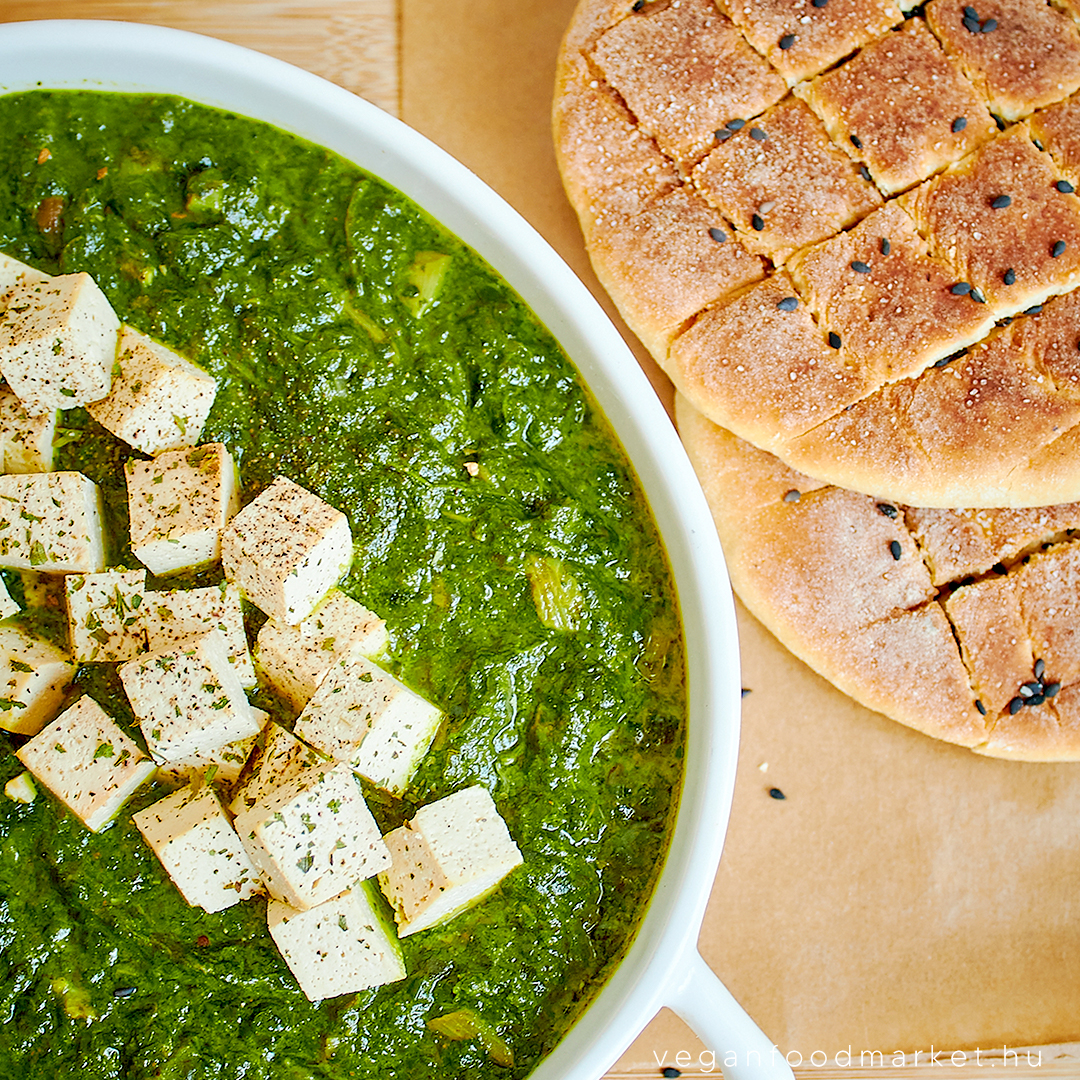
{"points": [[912, 193]]}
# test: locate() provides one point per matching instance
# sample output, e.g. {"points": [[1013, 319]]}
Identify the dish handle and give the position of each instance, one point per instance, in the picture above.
{"points": [[743, 1052]]}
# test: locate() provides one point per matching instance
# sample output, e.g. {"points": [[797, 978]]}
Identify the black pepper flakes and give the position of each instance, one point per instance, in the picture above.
{"points": [[860, 267], [1001, 202], [789, 303], [1057, 249], [959, 124], [885, 246], [961, 288], [1064, 187], [834, 340], [776, 793], [895, 550], [718, 235], [757, 222], [758, 135], [1009, 277], [787, 41], [792, 496]]}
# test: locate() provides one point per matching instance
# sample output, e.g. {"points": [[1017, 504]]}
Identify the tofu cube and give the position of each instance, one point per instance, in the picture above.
{"points": [[51, 522], [221, 767], [158, 401], [313, 836], [363, 715], [294, 659], [58, 341], [451, 855], [178, 505], [171, 616], [286, 549], [340, 947], [13, 272], [27, 440], [87, 762], [194, 840], [105, 614], [8, 606], [34, 676], [278, 757], [188, 699]]}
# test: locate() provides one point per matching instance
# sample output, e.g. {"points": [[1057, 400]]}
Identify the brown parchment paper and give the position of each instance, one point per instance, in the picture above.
{"points": [[905, 894]]}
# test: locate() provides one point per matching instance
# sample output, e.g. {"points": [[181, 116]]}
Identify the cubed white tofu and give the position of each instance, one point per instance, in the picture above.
{"points": [[8, 606], [174, 615], [13, 272], [451, 855], [313, 837], [221, 767], [27, 440], [294, 659], [158, 401], [34, 677], [363, 715], [340, 947], [87, 762], [278, 757], [21, 789], [286, 549], [51, 522], [58, 341], [192, 836], [105, 615], [178, 504], [188, 699]]}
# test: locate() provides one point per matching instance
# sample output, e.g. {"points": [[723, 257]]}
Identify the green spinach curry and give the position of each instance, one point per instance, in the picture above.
{"points": [[370, 356]]}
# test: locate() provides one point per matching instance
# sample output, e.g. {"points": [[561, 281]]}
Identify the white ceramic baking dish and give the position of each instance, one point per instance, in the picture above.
{"points": [[663, 967]]}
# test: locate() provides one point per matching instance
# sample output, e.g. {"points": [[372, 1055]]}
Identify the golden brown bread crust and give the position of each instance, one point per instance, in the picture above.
{"points": [[1030, 59], [901, 97], [870, 413], [848, 584], [1057, 128]]}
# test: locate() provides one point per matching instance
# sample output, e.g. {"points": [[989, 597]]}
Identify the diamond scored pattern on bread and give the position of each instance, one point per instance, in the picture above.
{"points": [[904, 225]]}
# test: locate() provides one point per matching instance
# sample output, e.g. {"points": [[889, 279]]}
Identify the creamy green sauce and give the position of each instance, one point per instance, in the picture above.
{"points": [[531, 602]]}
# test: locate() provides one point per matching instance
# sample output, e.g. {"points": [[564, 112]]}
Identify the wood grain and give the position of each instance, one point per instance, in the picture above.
{"points": [[353, 43]]}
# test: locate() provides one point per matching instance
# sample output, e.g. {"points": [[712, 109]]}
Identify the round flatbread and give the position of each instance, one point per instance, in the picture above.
{"points": [[962, 624], [849, 234]]}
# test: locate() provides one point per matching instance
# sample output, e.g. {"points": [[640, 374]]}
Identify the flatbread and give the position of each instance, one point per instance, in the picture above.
{"points": [[848, 232], [962, 624]]}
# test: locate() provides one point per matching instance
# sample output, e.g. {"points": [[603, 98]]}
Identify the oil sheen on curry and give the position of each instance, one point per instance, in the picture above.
{"points": [[499, 530]]}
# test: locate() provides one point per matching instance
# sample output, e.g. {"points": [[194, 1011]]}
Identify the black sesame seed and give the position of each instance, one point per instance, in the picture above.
{"points": [[977, 296], [981, 707], [864, 172], [1051, 689], [819, 3], [1000, 123], [758, 222], [970, 13], [895, 550], [999, 568], [943, 362], [971, 25], [1040, 667], [961, 288], [1009, 277], [792, 496], [1035, 699], [1064, 187], [860, 267], [670, 1073], [1015, 705], [856, 142], [746, 690], [787, 41], [1038, 144], [959, 123], [723, 135], [1034, 686], [736, 124], [1001, 202], [887, 509], [834, 340], [989, 26], [1057, 249], [123, 991], [757, 134], [789, 303], [638, 5], [886, 247], [1033, 310], [776, 793], [718, 235]]}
